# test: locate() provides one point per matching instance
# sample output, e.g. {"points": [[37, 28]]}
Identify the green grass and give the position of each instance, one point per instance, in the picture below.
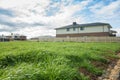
{"points": [[54, 60]]}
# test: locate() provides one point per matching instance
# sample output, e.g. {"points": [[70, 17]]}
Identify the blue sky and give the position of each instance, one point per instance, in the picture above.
{"points": [[40, 17]]}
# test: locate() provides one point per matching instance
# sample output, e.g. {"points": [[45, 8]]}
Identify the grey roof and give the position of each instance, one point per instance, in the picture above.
{"points": [[85, 25]]}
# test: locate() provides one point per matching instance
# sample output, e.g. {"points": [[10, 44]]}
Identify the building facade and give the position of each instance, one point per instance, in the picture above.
{"points": [[12, 37], [90, 29]]}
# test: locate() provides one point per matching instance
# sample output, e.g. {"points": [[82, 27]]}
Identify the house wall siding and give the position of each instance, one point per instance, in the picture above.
{"points": [[84, 34], [91, 29]]}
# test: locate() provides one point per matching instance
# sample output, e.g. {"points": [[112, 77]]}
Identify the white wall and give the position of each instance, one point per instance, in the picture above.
{"points": [[64, 31], [86, 30]]}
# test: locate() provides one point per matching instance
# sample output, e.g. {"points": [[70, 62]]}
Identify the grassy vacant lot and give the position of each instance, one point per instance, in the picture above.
{"points": [[55, 60]]}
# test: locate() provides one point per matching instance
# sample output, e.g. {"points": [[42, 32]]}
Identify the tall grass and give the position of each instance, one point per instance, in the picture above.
{"points": [[53, 60]]}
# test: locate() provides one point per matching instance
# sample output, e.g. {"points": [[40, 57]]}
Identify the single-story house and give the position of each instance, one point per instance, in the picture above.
{"points": [[90, 29]]}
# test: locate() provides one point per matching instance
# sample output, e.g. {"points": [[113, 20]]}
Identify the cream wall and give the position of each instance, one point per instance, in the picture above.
{"points": [[91, 29]]}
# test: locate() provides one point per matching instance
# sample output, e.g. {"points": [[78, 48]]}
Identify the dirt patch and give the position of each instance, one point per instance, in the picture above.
{"points": [[99, 64], [113, 71], [92, 76], [87, 73]]}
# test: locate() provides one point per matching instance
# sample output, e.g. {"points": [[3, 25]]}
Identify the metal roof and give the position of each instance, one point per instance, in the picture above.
{"points": [[85, 25], [113, 31]]}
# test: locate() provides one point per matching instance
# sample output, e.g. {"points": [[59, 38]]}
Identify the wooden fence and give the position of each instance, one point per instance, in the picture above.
{"points": [[80, 39]]}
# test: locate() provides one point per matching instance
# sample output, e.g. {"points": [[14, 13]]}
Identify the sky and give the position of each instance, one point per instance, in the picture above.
{"points": [[39, 17]]}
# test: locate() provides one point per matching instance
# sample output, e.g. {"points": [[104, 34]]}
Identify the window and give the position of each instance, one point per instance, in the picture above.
{"points": [[68, 29], [16, 36], [81, 28], [74, 29]]}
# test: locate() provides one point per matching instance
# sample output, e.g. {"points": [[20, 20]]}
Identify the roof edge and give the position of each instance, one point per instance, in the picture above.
{"points": [[87, 24]]}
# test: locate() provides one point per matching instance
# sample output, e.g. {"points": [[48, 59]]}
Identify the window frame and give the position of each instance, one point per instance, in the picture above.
{"points": [[67, 29], [82, 28]]}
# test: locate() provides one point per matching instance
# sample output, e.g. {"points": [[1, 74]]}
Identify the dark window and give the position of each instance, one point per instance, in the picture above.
{"points": [[68, 29], [16, 37], [81, 28], [74, 29]]}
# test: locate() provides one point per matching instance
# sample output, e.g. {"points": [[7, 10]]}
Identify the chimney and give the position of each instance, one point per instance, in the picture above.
{"points": [[74, 23], [11, 34]]}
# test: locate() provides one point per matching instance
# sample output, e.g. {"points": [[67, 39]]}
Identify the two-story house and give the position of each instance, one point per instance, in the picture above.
{"points": [[90, 29]]}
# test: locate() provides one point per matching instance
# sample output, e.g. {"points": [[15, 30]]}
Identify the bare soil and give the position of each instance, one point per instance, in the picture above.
{"points": [[113, 71]]}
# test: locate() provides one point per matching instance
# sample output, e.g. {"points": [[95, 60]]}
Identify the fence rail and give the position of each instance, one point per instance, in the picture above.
{"points": [[80, 39]]}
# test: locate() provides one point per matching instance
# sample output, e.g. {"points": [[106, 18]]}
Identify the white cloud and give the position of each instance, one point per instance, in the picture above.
{"points": [[63, 16], [22, 3], [110, 9], [4, 33], [4, 27], [35, 31], [106, 10], [38, 15]]}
